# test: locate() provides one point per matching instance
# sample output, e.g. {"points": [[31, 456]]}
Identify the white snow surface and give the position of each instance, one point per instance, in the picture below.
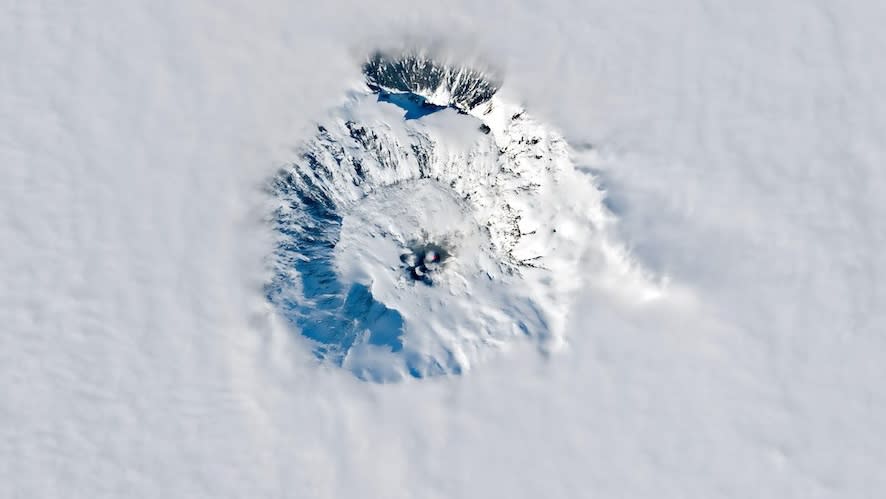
{"points": [[741, 151]]}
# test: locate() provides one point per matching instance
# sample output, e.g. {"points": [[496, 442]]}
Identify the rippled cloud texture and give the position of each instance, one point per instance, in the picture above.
{"points": [[739, 149]]}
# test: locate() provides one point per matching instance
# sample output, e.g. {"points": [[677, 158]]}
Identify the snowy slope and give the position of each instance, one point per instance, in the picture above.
{"points": [[392, 178], [740, 149]]}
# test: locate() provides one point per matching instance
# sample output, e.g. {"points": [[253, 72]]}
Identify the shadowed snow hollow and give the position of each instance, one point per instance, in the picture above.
{"points": [[428, 224]]}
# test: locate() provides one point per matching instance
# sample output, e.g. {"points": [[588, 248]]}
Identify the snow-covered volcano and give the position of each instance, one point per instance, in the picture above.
{"points": [[429, 223]]}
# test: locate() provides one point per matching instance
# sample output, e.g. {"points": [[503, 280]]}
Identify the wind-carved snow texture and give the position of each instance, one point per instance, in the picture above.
{"points": [[428, 224]]}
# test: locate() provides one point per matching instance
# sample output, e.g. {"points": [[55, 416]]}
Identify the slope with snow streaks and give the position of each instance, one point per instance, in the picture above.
{"points": [[442, 84]]}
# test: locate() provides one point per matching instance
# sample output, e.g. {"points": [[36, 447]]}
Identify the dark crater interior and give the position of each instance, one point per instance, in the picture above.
{"points": [[424, 261]]}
